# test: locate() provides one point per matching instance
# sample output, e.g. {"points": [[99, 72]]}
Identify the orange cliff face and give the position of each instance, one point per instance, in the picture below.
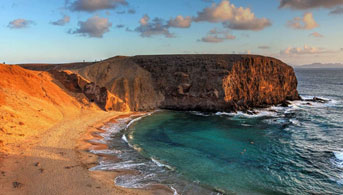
{"points": [[32, 101]]}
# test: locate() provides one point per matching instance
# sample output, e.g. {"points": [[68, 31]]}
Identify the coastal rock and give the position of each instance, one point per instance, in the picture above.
{"points": [[100, 95], [220, 82], [185, 82]]}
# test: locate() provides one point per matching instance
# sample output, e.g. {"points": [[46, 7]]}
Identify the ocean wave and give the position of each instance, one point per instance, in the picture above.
{"points": [[174, 190], [199, 113], [110, 166], [307, 101], [108, 151], [139, 118], [250, 114], [339, 155], [295, 122], [338, 159], [160, 164], [135, 181], [124, 138]]}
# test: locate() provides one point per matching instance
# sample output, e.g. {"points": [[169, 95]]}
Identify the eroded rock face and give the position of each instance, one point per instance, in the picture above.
{"points": [[220, 82], [100, 95], [184, 82]]}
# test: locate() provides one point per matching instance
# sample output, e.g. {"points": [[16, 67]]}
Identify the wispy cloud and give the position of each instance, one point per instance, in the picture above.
{"points": [[94, 5], [309, 4], [264, 47], [61, 22], [20, 23], [316, 34], [306, 50], [215, 36]]}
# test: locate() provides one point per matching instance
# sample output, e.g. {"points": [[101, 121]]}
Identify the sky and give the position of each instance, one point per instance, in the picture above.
{"points": [[57, 31]]}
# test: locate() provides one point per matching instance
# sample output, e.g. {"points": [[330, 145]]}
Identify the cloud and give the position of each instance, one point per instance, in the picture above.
{"points": [[149, 28], [263, 47], [20, 23], [180, 22], [131, 11], [93, 27], [215, 36], [309, 4], [61, 22], [337, 10], [306, 22], [94, 5], [233, 17], [316, 34], [306, 50]]}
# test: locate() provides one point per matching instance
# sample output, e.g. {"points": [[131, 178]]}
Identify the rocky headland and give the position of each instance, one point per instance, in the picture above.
{"points": [[180, 82]]}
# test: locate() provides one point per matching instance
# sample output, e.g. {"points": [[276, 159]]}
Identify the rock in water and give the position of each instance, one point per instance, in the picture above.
{"points": [[189, 82]]}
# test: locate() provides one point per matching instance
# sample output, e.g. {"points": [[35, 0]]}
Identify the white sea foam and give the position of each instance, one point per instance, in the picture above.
{"points": [[199, 113], [134, 181], [339, 155], [174, 190], [108, 166], [295, 122], [105, 151], [255, 114], [329, 102], [124, 138], [160, 164], [132, 121]]}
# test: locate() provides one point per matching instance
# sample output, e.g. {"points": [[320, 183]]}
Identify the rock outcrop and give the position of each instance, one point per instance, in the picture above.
{"points": [[100, 95], [187, 82], [220, 82]]}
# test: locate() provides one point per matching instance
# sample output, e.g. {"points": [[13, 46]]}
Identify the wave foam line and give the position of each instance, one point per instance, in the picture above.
{"points": [[160, 164]]}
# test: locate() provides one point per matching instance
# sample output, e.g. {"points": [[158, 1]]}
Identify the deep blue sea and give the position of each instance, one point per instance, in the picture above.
{"points": [[293, 150]]}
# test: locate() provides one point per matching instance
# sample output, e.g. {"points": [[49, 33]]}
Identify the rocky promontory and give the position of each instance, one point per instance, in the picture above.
{"points": [[180, 82]]}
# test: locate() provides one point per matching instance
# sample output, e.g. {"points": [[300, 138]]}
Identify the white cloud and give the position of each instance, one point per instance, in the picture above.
{"points": [[233, 17], [93, 27], [180, 22], [306, 22], [19, 23]]}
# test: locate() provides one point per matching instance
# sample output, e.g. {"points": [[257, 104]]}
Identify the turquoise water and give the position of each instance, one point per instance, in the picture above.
{"points": [[294, 150]]}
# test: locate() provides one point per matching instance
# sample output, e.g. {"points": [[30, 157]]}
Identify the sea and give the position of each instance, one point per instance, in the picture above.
{"points": [[279, 150]]}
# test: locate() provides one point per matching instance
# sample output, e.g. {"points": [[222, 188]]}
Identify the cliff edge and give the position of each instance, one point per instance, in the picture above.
{"points": [[194, 82]]}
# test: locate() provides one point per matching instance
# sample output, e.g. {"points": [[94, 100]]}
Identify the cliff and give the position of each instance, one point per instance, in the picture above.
{"points": [[193, 82], [33, 101]]}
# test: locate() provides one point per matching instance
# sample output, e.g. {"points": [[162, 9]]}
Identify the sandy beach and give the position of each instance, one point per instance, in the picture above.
{"points": [[56, 162]]}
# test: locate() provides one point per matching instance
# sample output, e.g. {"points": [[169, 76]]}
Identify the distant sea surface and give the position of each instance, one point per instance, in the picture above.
{"points": [[293, 150]]}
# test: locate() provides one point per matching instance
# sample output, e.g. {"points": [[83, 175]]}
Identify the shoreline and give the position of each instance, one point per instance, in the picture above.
{"points": [[56, 162], [92, 141]]}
